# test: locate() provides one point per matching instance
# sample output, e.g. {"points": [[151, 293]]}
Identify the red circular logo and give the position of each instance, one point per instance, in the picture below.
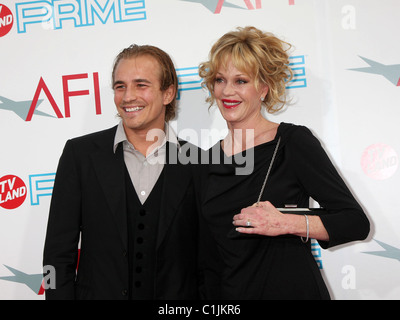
{"points": [[6, 20], [12, 192], [379, 161]]}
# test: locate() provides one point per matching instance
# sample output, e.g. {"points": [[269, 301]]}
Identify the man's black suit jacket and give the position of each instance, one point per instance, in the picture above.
{"points": [[89, 206]]}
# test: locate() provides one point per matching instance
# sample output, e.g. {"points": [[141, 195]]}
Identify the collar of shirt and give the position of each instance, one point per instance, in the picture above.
{"points": [[120, 136]]}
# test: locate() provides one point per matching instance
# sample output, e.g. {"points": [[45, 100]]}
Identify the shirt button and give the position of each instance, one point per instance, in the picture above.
{"points": [[143, 193]]}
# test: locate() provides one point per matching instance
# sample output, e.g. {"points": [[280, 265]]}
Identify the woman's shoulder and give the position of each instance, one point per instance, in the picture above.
{"points": [[289, 129], [297, 135]]}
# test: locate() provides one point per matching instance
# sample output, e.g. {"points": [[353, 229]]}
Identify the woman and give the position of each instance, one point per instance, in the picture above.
{"points": [[252, 250]]}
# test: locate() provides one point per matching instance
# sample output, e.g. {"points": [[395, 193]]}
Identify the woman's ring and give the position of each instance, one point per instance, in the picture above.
{"points": [[248, 223]]}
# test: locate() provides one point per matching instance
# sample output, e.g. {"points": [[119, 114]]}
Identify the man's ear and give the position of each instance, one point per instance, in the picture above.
{"points": [[169, 95]]}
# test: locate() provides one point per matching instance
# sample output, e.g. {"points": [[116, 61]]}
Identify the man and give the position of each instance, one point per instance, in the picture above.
{"points": [[125, 197]]}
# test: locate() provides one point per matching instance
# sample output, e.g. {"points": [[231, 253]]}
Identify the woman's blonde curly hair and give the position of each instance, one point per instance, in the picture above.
{"points": [[260, 55]]}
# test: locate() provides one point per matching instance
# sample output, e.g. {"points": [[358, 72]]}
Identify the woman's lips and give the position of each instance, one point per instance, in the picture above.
{"points": [[230, 104]]}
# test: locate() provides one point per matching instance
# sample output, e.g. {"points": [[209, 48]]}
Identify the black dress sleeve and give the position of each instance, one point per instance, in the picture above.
{"points": [[342, 217]]}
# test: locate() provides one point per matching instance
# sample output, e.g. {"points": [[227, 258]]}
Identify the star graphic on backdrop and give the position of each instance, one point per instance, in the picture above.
{"points": [[21, 108], [390, 72], [213, 4], [390, 252], [33, 281]]}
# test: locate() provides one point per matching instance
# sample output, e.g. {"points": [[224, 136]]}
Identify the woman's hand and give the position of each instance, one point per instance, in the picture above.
{"points": [[263, 219]]}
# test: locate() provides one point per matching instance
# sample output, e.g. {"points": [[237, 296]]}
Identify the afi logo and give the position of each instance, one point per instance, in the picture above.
{"points": [[26, 109], [6, 20]]}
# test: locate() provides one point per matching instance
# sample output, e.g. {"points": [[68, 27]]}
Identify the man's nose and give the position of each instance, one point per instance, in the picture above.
{"points": [[130, 94]]}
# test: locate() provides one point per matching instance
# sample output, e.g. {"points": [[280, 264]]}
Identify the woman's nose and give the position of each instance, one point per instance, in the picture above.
{"points": [[228, 89]]}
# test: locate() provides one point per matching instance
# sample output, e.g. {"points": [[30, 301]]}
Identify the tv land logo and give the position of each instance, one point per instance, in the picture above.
{"points": [[13, 190], [53, 14], [6, 20], [215, 6]]}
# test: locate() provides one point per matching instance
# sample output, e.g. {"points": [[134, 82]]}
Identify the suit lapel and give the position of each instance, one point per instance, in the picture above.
{"points": [[109, 168], [176, 179]]}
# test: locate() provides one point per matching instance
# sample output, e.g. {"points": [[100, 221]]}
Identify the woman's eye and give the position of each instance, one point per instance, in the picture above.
{"points": [[241, 81], [219, 80]]}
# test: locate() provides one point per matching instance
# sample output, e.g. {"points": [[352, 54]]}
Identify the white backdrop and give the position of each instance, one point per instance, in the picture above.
{"points": [[55, 68]]}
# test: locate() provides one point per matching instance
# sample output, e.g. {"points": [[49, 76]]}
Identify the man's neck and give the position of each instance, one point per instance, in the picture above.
{"points": [[146, 140]]}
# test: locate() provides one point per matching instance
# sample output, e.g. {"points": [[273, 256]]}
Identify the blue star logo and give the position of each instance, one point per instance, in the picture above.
{"points": [[21, 108], [390, 72], [33, 281], [390, 252], [214, 5]]}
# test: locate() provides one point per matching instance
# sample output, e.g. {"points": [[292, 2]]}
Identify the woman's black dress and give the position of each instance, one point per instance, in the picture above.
{"points": [[238, 266]]}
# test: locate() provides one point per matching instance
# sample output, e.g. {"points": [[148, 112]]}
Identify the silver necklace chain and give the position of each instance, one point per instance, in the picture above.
{"points": [[269, 171]]}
